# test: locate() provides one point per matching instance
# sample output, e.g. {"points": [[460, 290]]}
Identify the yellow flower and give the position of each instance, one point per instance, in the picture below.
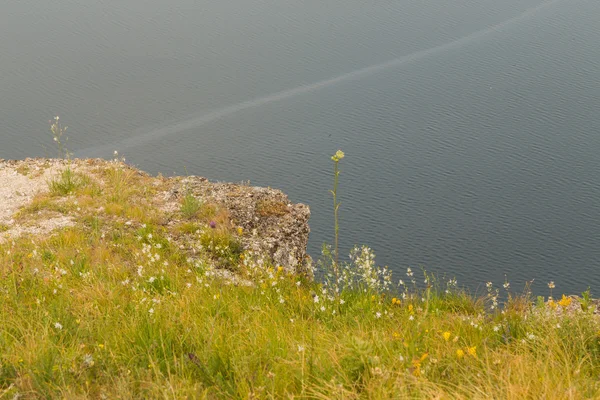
{"points": [[337, 156], [460, 353], [396, 335], [552, 304], [472, 351], [100, 345], [410, 308], [565, 301], [417, 364], [280, 269], [446, 336], [395, 301], [240, 230]]}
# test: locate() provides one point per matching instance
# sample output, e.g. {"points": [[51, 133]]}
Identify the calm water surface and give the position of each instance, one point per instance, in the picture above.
{"points": [[471, 127]]}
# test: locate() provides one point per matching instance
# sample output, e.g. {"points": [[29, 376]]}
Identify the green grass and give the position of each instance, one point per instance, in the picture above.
{"points": [[87, 316], [222, 246], [189, 227], [114, 308], [67, 182], [190, 206], [40, 206]]}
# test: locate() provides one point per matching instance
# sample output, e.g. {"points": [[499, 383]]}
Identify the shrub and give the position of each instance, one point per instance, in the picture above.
{"points": [[67, 182], [190, 206]]}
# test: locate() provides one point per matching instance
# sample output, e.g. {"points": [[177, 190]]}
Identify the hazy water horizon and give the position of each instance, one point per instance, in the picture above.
{"points": [[471, 129]]}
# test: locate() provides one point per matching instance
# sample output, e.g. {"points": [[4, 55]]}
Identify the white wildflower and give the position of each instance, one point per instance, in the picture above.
{"points": [[88, 360]]}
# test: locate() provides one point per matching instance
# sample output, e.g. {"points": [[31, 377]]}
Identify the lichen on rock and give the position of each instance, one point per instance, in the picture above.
{"points": [[272, 225]]}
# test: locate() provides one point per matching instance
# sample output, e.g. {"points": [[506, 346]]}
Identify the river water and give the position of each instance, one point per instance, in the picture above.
{"points": [[471, 128]]}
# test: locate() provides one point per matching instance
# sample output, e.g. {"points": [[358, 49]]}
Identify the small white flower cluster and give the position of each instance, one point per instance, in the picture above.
{"points": [[451, 285], [88, 360], [361, 272], [256, 265], [492, 295], [147, 251]]}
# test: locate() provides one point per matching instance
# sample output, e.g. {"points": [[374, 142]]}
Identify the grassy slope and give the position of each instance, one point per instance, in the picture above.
{"points": [[111, 308]]}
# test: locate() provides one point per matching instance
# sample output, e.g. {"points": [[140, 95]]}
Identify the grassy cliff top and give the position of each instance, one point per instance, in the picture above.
{"points": [[115, 284]]}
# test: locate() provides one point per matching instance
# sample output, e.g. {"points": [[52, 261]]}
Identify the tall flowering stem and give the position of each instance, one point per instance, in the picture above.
{"points": [[336, 205], [58, 132]]}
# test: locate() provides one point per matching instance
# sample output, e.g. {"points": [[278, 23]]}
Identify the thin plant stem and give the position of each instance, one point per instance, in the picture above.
{"points": [[336, 205]]}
